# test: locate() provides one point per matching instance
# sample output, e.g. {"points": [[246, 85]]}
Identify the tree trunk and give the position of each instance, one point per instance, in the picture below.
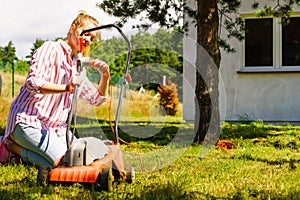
{"points": [[207, 117]]}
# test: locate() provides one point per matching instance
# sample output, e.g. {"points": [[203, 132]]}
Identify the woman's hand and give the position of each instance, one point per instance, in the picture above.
{"points": [[102, 67], [76, 80]]}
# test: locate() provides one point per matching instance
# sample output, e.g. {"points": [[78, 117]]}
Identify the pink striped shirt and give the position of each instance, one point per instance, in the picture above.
{"points": [[51, 63]]}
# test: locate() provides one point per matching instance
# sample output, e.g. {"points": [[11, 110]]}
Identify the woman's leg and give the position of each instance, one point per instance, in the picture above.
{"points": [[39, 146]]}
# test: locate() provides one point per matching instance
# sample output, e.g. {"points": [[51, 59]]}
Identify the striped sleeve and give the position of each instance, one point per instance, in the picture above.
{"points": [[89, 93], [41, 63]]}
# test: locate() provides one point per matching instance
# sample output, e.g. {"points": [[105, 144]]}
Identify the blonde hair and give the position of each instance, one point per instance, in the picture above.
{"points": [[82, 17]]}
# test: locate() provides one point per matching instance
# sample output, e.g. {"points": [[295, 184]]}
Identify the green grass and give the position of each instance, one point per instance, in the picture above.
{"points": [[258, 168]]}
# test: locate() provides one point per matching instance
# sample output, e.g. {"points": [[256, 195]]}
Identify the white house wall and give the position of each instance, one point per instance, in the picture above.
{"points": [[265, 96], [268, 96], [189, 72]]}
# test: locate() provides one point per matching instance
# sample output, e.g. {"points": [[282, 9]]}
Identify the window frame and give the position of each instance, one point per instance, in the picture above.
{"points": [[277, 49]]}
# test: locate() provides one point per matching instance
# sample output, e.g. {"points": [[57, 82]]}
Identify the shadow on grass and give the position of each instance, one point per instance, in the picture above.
{"points": [[158, 133], [7, 194], [265, 194], [281, 161], [158, 136], [255, 130]]}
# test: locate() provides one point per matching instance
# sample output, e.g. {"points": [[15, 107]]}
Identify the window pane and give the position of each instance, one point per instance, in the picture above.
{"points": [[259, 42], [291, 43]]}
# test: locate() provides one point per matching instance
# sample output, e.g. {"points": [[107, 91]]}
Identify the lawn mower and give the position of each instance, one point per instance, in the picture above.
{"points": [[89, 159]]}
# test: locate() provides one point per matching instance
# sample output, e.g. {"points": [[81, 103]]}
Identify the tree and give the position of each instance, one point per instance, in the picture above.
{"points": [[160, 47], [38, 42], [8, 53], [207, 16]]}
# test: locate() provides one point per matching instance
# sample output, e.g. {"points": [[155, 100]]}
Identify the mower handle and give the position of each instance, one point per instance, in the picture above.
{"points": [[124, 81]]}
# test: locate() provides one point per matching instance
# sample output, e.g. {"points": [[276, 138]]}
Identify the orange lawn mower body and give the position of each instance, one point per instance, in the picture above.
{"points": [[103, 171], [88, 159]]}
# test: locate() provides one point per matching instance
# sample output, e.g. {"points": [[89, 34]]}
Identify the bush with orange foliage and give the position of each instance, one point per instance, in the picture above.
{"points": [[226, 144], [168, 98]]}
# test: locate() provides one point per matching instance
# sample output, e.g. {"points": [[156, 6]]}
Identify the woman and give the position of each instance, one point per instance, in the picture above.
{"points": [[36, 125]]}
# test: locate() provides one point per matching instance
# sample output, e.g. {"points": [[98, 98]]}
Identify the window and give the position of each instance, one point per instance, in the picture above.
{"points": [[291, 43], [258, 42], [271, 44]]}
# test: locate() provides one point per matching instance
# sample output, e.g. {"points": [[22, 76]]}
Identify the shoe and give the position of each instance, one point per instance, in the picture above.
{"points": [[43, 176], [10, 152], [12, 146]]}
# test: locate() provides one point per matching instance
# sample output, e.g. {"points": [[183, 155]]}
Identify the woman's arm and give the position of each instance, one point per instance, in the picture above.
{"points": [[103, 69], [51, 88], [103, 85]]}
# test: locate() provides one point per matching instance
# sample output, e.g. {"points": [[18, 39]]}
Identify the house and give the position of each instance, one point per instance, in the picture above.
{"points": [[261, 81]]}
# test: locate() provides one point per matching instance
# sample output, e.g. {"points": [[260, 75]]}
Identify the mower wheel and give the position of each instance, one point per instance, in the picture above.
{"points": [[43, 176], [130, 173], [106, 179]]}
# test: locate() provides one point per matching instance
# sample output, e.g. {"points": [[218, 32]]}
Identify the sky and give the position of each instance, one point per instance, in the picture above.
{"points": [[22, 22]]}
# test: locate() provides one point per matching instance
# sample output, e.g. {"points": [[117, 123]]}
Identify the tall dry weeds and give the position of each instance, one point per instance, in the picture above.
{"points": [[168, 98]]}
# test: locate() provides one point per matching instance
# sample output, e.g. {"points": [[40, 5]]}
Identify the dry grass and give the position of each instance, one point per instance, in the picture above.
{"points": [[7, 83], [135, 107], [4, 109], [6, 96]]}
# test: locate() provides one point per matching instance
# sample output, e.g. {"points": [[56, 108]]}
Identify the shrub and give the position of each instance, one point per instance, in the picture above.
{"points": [[168, 98], [20, 67]]}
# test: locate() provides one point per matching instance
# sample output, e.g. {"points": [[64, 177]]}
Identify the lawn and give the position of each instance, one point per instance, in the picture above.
{"points": [[262, 165]]}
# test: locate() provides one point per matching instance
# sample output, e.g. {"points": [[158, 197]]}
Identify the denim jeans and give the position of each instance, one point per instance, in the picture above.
{"points": [[40, 147]]}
